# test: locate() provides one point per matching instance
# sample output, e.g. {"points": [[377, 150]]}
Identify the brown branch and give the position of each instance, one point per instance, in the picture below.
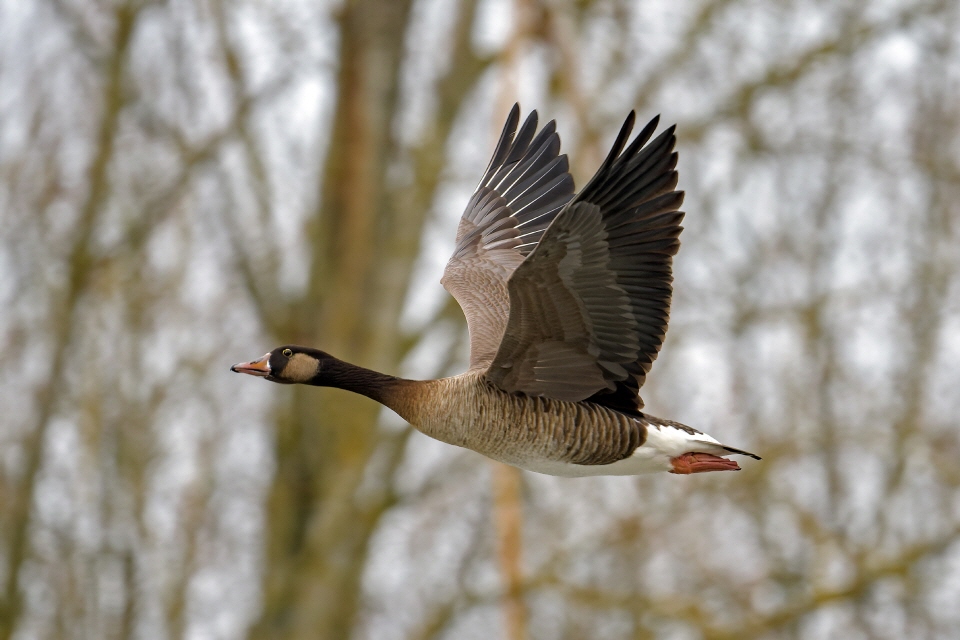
{"points": [[874, 572], [508, 515], [507, 511], [64, 313], [855, 35]]}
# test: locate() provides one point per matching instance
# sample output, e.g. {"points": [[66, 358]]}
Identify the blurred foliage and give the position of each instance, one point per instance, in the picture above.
{"points": [[184, 185]]}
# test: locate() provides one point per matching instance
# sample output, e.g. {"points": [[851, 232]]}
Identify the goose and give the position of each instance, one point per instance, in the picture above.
{"points": [[567, 297]]}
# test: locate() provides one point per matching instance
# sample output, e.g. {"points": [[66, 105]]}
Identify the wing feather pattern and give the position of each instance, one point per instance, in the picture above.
{"points": [[523, 189], [589, 306]]}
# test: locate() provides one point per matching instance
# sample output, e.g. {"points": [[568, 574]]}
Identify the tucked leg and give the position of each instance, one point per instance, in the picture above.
{"points": [[695, 462]]}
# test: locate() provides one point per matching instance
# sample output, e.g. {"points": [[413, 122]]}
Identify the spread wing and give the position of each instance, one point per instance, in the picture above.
{"points": [[589, 306], [526, 184]]}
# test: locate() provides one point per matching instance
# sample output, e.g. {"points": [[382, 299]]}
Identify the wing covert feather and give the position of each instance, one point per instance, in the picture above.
{"points": [[524, 187], [589, 307]]}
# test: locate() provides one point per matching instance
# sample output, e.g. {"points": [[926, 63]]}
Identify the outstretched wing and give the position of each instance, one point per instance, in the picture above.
{"points": [[526, 184], [589, 306]]}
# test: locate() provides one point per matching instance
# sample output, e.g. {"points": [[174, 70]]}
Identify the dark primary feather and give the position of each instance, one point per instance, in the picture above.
{"points": [[589, 306], [524, 187]]}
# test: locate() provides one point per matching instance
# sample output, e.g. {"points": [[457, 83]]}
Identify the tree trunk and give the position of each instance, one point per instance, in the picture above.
{"points": [[316, 535]]}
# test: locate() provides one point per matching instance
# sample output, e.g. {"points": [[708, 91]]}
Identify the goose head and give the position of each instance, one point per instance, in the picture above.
{"points": [[289, 364]]}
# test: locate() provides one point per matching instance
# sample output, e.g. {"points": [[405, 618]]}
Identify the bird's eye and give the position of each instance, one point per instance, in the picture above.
{"points": [[287, 353]]}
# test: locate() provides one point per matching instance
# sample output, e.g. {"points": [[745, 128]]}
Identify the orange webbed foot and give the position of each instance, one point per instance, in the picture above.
{"points": [[695, 462]]}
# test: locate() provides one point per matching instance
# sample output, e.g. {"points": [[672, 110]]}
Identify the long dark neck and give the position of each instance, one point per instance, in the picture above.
{"points": [[350, 377]]}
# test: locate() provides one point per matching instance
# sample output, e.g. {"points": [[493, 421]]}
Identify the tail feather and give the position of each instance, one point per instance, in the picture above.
{"points": [[741, 452], [675, 438]]}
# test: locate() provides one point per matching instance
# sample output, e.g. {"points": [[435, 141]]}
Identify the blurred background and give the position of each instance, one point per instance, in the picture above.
{"points": [[188, 184]]}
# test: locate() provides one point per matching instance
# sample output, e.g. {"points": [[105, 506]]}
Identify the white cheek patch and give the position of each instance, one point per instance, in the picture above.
{"points": [[300, 368]]}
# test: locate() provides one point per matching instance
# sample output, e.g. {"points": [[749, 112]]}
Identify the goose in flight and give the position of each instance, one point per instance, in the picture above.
{"points": [[567, 297]]}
